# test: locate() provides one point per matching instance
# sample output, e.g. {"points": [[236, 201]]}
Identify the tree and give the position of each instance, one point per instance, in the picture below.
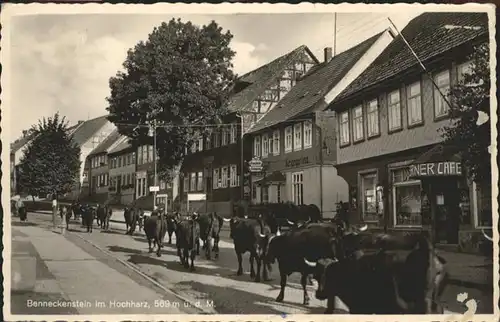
{"points": [[470, 109], [51, 161], [179, 77]]}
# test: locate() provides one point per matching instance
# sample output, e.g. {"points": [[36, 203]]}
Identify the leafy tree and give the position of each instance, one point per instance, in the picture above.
{"points": [[470, 109], [51, 161], [180, 76]]}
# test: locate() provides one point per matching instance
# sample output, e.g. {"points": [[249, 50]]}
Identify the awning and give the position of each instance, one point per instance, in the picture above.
{"points": [[439, 161], [274, 178]]}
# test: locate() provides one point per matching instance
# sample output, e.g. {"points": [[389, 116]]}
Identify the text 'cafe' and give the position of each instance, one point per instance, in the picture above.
{"points": [[436, 169]]}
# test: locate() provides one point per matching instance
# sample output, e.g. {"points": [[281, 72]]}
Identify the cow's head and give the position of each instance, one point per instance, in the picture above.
{"points": [[322, 273]]}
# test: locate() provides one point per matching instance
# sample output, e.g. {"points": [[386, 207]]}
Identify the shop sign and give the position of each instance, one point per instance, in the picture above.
{"points": [[255, 165], [296, 162], [436, 169]]}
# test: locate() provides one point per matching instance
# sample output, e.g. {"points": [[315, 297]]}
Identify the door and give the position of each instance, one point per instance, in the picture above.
{"points": [[446, 195]]}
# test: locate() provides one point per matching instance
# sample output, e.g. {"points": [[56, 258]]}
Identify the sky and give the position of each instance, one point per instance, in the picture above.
{"points": [[64, 62]]}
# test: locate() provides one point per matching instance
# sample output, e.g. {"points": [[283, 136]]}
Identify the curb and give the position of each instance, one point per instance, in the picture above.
{"points": [[135, 269]]}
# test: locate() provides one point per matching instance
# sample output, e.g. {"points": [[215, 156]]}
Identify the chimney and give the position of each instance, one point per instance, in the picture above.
{"points": [[328, 54]]}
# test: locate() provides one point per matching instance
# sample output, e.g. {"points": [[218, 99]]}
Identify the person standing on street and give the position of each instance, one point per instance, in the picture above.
{"points": [[54, 210], [21, 209]]}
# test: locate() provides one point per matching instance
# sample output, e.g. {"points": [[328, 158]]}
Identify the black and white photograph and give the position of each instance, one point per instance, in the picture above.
{"points": [[249, 161]]}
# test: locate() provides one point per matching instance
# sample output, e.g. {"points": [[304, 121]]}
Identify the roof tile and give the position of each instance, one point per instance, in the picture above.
{"points": [[88, 128]]}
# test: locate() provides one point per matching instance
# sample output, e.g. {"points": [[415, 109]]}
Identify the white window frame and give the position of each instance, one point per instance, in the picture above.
{"points": [[298, 188], [225, 140], [276, 142], [162, 184], [438, 99], [234, 133], [265, 145], [289, 139], [215, 180], [344, 127], [199, 181], [372, 118], [200, 143], [462, 69], [216, 142], [224, 177], [308, 130], [233, 175], [297, 137], [394, 109], [186, 183], [394, 186], [356, 120], [256, 146], [192, 183], [414, 110], [208, 141]]}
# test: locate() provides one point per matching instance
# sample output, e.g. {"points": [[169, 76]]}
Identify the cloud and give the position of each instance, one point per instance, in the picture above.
{"points": [[247, 56]]}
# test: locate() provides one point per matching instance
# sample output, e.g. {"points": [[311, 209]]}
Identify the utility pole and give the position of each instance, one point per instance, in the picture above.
{"points": [[335, 34], [153, 129]]}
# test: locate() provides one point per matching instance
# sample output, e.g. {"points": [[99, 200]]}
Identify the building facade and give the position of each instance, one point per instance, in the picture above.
{"points": [[296, 141], [213, 165], [122, 168], [391, 116]]}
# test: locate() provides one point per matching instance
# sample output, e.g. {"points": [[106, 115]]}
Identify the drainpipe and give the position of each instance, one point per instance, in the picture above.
{"points": [[320, 167]]}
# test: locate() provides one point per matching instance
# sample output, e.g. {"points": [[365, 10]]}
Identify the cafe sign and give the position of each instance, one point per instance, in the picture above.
{"points": [[436, 169]]}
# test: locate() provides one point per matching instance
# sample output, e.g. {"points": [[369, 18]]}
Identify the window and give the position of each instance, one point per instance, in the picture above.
{"points": [[256, 146], [368, 198], [406, 198], [208, 141], [224, 178], [462, 70], [233, 176], [265, 145], [307, 134], [186, 183], [150, 153], [276, 142], [144, 187], [254, 192], [265, 194], [344, 128], [234, 133], [133, 157], [288, 139], [483, 206], [225, 136], [162, 184], [193, 147], [394, 102], [215, 179], [278, 193], [414, 104], [200, 143], [357, 117], [297, 188], [297, 131], [442, 81], [200, 181], [193, 181], [216, 138], [372, 116]]}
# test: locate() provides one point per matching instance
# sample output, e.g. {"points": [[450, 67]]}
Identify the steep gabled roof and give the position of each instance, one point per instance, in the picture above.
{"points": [[312, 88], [122, 145], [429, 34], [106, 143], [88, 128], [263, 77]]}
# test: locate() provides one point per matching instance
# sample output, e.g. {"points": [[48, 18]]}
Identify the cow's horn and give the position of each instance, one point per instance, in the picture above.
{"points": [[290, 222], [363, 228], [262, 235], [278, 233], [226, 219], [246, 217], [486, 235], [311, 264]]}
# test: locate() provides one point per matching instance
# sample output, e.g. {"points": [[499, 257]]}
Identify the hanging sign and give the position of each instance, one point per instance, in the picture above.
{"points": [[436, 169]]}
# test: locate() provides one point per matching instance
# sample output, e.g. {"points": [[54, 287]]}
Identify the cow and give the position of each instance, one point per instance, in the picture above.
{"points": [[76, 208], [210, 226], [155, 227], [188, 240], [172, 220], [382, 283], [314, 240], [250, 235], [88, 214], [101, 213], [105, 216], [131, 216]]}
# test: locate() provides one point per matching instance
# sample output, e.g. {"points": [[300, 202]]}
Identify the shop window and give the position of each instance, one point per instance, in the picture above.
{"points": [[442, 81], [298, 188], [265, 194], [406, 198], [357, 118], [368, 197], [484, 213], [414, 103]]}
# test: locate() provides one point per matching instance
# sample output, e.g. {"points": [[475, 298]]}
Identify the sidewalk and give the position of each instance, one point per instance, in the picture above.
{"points": [[47, 267]]}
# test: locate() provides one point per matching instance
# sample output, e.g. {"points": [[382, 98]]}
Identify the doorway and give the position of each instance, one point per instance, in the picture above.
{"points": [[446, 196]]}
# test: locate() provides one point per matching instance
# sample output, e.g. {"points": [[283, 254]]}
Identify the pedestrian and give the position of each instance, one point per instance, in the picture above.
{"points": [[21, 210], [54, 210]]}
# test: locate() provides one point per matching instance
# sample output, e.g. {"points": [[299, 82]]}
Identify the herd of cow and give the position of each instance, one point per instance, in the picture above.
{"points": [[347, 261]]}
